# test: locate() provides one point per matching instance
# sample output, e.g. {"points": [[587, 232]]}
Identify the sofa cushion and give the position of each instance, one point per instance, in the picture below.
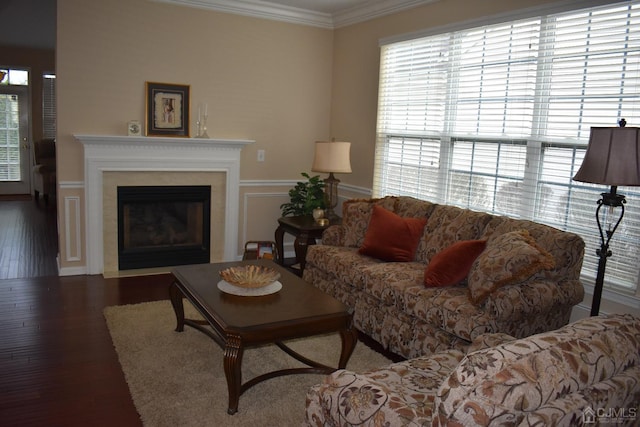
{"points": [[451, 265], [390, 237], [356, 214], [449, 309], [343, 264], [410, 207], [447, 225], [387, 281], [509, 258]]}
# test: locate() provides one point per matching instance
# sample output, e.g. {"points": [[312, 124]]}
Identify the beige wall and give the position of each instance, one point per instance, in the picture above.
{"points": [[263, 80], [281, 84]]}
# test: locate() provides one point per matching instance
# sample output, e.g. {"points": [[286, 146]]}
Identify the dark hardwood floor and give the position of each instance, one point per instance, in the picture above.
{"points": [[28, 238], [58, 366]]}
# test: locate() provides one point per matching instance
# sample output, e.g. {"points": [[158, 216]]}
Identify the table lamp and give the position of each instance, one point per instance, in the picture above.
{"points": [[332, 157], [612, 158]]}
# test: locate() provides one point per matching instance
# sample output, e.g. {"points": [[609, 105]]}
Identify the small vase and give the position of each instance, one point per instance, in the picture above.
{"points": [[318, 213]]}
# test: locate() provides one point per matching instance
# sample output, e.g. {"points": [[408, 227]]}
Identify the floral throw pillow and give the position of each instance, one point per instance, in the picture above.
{"points": [[508, 259]]}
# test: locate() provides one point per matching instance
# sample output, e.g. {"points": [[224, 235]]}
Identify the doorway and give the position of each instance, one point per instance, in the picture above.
{"points": [[15, 150]]}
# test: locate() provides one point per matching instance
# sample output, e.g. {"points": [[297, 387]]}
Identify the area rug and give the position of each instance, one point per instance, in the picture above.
{"points": [[177, 379]]}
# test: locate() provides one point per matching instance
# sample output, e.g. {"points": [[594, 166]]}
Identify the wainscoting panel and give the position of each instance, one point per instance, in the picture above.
{"points": [[73, 233]]}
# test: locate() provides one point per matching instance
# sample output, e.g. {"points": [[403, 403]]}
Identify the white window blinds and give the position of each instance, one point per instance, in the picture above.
{"points": [[497, 118], [49, 105]]}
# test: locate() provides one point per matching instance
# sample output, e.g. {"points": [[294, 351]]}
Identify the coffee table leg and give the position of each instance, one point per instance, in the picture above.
{"points": [[233, 371], [178, 308], [349, 339]]}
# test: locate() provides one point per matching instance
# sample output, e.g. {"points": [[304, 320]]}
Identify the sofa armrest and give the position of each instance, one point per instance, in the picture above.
{"points": [[548, 378], [333, 236], [517, 302], [489, 340], [398, 394]]}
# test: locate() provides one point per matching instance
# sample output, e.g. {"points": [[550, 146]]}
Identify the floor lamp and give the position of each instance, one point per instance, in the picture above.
{"points": [[332, 157], [612, 158]]}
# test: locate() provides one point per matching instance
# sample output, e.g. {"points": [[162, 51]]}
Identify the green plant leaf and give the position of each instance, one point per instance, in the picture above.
{"points": [[305, 196]]}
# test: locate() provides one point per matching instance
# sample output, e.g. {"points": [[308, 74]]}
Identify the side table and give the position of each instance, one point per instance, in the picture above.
{"points": [[305, 230]]}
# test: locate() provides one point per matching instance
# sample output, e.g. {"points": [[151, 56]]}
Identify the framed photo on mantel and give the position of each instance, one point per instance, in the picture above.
{"points": [[167, 112]]}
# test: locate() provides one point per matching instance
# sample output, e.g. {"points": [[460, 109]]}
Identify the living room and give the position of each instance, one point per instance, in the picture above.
{"points": [[280, 84], [283, 85]]}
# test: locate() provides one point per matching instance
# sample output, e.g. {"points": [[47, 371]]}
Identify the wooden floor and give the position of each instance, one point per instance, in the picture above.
{"points": [[58, 366], [28, 238]]}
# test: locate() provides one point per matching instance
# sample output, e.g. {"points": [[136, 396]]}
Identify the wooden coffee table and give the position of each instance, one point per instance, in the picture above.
{"points": [[237, 322]]}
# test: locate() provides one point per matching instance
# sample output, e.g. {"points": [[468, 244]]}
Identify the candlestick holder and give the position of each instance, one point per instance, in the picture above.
{"points": [[201, 126], [204, 133]]}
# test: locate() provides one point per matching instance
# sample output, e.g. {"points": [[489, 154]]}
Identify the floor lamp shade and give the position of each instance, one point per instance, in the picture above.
{"points": [[612, 158]]}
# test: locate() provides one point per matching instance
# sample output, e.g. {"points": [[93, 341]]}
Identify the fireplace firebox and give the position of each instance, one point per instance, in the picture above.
{"points": [[162, 226]]}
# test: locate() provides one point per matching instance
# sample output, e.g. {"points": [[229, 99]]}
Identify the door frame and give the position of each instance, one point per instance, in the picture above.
{"points": [[25, 186]]}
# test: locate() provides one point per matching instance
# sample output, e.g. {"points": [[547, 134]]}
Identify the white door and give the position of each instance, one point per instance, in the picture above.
{"points": [[15, 150]]}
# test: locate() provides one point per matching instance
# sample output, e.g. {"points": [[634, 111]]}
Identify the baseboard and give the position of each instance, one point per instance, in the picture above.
{"points": [[70, 271]]}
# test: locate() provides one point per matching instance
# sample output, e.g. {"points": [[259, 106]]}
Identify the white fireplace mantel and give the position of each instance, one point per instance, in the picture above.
{"points": [[106, 153]]}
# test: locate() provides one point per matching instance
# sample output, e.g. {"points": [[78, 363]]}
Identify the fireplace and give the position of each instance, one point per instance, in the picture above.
{"points": [[163, 225], [112, 161]]}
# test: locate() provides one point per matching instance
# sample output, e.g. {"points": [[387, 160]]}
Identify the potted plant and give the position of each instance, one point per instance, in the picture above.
{"points": [[305, 197]]}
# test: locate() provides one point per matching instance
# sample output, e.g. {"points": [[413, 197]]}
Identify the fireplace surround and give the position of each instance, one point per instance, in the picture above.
{"points": [[110, 161]]}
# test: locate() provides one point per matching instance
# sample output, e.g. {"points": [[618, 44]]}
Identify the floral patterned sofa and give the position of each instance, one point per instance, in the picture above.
{"points": [[462, 274], [587, 372]]}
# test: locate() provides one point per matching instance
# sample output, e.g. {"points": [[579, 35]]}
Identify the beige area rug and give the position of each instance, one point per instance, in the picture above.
{"points": [[177, 379]]}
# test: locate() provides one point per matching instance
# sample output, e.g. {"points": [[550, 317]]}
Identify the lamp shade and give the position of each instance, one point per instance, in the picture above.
{"points": [[332, 157], [612, 158]]}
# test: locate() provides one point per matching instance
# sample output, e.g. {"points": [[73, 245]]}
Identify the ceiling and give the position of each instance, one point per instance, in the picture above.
{"points": [[28, 23], [32, 23]]}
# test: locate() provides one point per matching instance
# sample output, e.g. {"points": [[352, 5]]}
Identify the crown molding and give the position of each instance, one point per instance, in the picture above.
{"points": [[370, 11], [260, 9], [268, 10]]}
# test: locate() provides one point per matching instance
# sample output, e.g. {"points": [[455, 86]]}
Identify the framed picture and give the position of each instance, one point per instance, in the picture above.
{"points": [[167, 109]]}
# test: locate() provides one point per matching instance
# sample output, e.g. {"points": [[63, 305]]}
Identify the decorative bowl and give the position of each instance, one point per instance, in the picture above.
{"points": [[249, 276]]}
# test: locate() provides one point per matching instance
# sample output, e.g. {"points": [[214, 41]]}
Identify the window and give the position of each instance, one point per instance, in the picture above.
{"points": [[11, 166], [49, 105], [497, 118], [14, 77]]}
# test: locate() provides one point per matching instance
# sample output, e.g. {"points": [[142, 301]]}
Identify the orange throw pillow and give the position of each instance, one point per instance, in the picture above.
{"points": [[390, 237], [452, 265]]}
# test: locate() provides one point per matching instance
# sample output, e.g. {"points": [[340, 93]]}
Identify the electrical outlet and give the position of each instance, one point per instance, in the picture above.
{"points": [[261, 155]]}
